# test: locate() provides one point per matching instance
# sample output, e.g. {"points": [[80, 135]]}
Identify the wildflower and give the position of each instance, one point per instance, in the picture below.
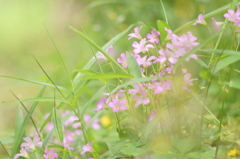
{"points": [[117, 105], [141, 47], [140, 95], [153, 38], [100, 104], [232, 16], [101, 56], [166, 55], [187, 80], [136, 33], [123, 60], [50, 154], [95, 124], [87, 148], [233, 153], [170, 34], [144, 61], [69, 137], [152, 114], [200, 20], [22, 153], [187, 41], [216, 24], [30, 144]]}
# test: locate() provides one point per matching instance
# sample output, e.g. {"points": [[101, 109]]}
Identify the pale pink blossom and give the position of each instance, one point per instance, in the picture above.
{"points": [[136, 33], [141, 47], [152, 114], [22, 153], [117, 104], [30, 144], [200, 20], [123, 60], [50, 154], [87, 148], [232, 16], [153, 37]]}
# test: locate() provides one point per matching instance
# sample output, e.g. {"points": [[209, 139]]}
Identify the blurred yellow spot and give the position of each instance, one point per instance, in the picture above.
{"points": [[202, 8], [184, 9], [112, 15], [123, 27], [105, 120], [233, 153]]}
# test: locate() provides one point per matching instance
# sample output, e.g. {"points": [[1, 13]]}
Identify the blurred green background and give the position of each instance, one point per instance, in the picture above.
{"points": [[24, 26]]}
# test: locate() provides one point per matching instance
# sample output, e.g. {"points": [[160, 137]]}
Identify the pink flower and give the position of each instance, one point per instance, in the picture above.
{"points": [[141, 47], [170, 34], [144, 61], [140, 95], [117, 105], [216, 24], [153, 37], [123, 60], [69, 137], [187, 81], [232, 16], [101, 56], [166, 55], [87, 148], [22, 153], [187, 41], [30, 144], [50, 154], [100, 104], [152, 114], [136, 33], [200, 20]]}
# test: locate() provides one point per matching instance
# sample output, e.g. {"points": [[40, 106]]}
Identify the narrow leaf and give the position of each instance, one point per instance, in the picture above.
{"points": [[58, 127], [133, 66], [161, 28], [44, 99]]}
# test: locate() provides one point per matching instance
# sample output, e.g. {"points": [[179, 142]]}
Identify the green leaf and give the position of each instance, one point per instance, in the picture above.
{"points": [[111, 148], [219, 51], [161, 28], [92, 61], [19, 119], [57, 122], [225, 62], [184, 145], [133, 151], [44, 99], [133, 66], [40, 83], [205, 73], [7, 140], [128, 134], [19, 134], [110, 58], [87, 72], [59, 147]]}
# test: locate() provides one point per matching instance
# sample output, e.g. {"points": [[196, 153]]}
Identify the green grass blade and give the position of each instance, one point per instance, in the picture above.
{"points": [[39, 83], [58, 127], [110, 58], [211, 14], [5, 150], [94, 97], [19, 135], [133, 66], [109, 76], [161, 28], [44, 99], [225, 62], [7, 140]]}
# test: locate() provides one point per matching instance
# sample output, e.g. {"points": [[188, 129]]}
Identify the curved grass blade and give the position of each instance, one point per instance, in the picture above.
{"points": [[44, 99], [110, 58], [40, 83], [19, 134], [215, 12], [133, 66], [92, 61], [5, 150]]}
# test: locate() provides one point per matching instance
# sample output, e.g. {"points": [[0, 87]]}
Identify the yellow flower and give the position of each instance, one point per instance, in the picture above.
{"points": [[105, 120], [233, 153]]}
